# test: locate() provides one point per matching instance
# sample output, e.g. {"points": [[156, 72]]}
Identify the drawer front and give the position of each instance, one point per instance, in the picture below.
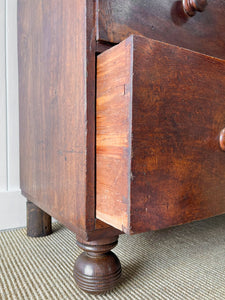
{"points": [[164, 21], [160, 112]]}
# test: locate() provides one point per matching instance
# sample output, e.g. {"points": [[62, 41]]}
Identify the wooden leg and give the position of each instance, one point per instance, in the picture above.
{"points": [[38, 222], [97, 270]]}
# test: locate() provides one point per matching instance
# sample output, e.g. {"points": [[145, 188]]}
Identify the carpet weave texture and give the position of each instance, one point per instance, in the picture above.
{"points": [[184, 262]]}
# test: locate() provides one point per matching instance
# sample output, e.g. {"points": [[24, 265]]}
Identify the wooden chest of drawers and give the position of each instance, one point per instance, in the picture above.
{"points": [[120, 138]]}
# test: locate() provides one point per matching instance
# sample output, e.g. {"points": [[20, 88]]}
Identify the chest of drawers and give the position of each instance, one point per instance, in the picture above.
{"points": [[122, 117]]}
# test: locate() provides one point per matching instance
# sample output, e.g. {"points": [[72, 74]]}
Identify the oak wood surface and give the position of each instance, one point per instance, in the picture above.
{"points": [[166, 21], [160, 111]]}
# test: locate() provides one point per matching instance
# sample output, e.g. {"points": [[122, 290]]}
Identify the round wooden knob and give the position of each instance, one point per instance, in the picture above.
{"points": [[191, 6], [222, 139]]}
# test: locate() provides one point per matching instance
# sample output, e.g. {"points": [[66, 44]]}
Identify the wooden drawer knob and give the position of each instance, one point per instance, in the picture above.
{"points": [[191, 6], [222, 139]]}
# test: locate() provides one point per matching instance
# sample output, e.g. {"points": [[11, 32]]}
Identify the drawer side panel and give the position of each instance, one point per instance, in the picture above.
{"points": [[113, 127]]}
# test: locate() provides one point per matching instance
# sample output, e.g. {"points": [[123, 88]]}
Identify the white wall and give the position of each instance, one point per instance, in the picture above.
{"points": [[12, 203]]}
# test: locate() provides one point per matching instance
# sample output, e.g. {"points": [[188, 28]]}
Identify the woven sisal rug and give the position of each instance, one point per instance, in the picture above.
{"points": [[185, 262]]}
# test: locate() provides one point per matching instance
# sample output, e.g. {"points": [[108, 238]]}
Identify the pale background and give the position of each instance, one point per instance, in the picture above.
{"points": [[12, 203]]}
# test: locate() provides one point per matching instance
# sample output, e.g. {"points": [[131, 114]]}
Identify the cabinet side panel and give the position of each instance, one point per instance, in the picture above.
{"points": [[55, 108], [113, 135]]}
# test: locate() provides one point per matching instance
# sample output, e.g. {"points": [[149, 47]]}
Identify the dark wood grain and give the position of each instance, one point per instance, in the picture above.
{"points": [[97, 270], [57, 108], [38, 222], [160, 115], [57, 48], [160, 111], [165, 21]]}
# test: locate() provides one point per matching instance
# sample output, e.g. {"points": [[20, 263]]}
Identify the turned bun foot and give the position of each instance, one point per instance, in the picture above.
{"points": [[97, 270], [38, 222]]}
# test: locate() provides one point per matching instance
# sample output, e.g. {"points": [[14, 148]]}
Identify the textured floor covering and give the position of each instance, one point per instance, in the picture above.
{"points": [[185, 262]]}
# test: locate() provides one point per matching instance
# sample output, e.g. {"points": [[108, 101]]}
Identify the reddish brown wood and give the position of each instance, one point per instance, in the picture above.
{"points": [[97, 270], [38, 222], [166, 21], [222, 139], [113, 134], [160, 109], [57, 108], [159, 161], [192, 6]]}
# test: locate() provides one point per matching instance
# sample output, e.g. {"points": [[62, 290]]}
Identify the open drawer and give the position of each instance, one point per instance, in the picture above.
{"points": [[160, 115]]}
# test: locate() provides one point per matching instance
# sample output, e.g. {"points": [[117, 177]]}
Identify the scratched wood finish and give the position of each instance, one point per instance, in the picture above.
{"points": [[159, 162], [165, 21], [57, 108]]}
